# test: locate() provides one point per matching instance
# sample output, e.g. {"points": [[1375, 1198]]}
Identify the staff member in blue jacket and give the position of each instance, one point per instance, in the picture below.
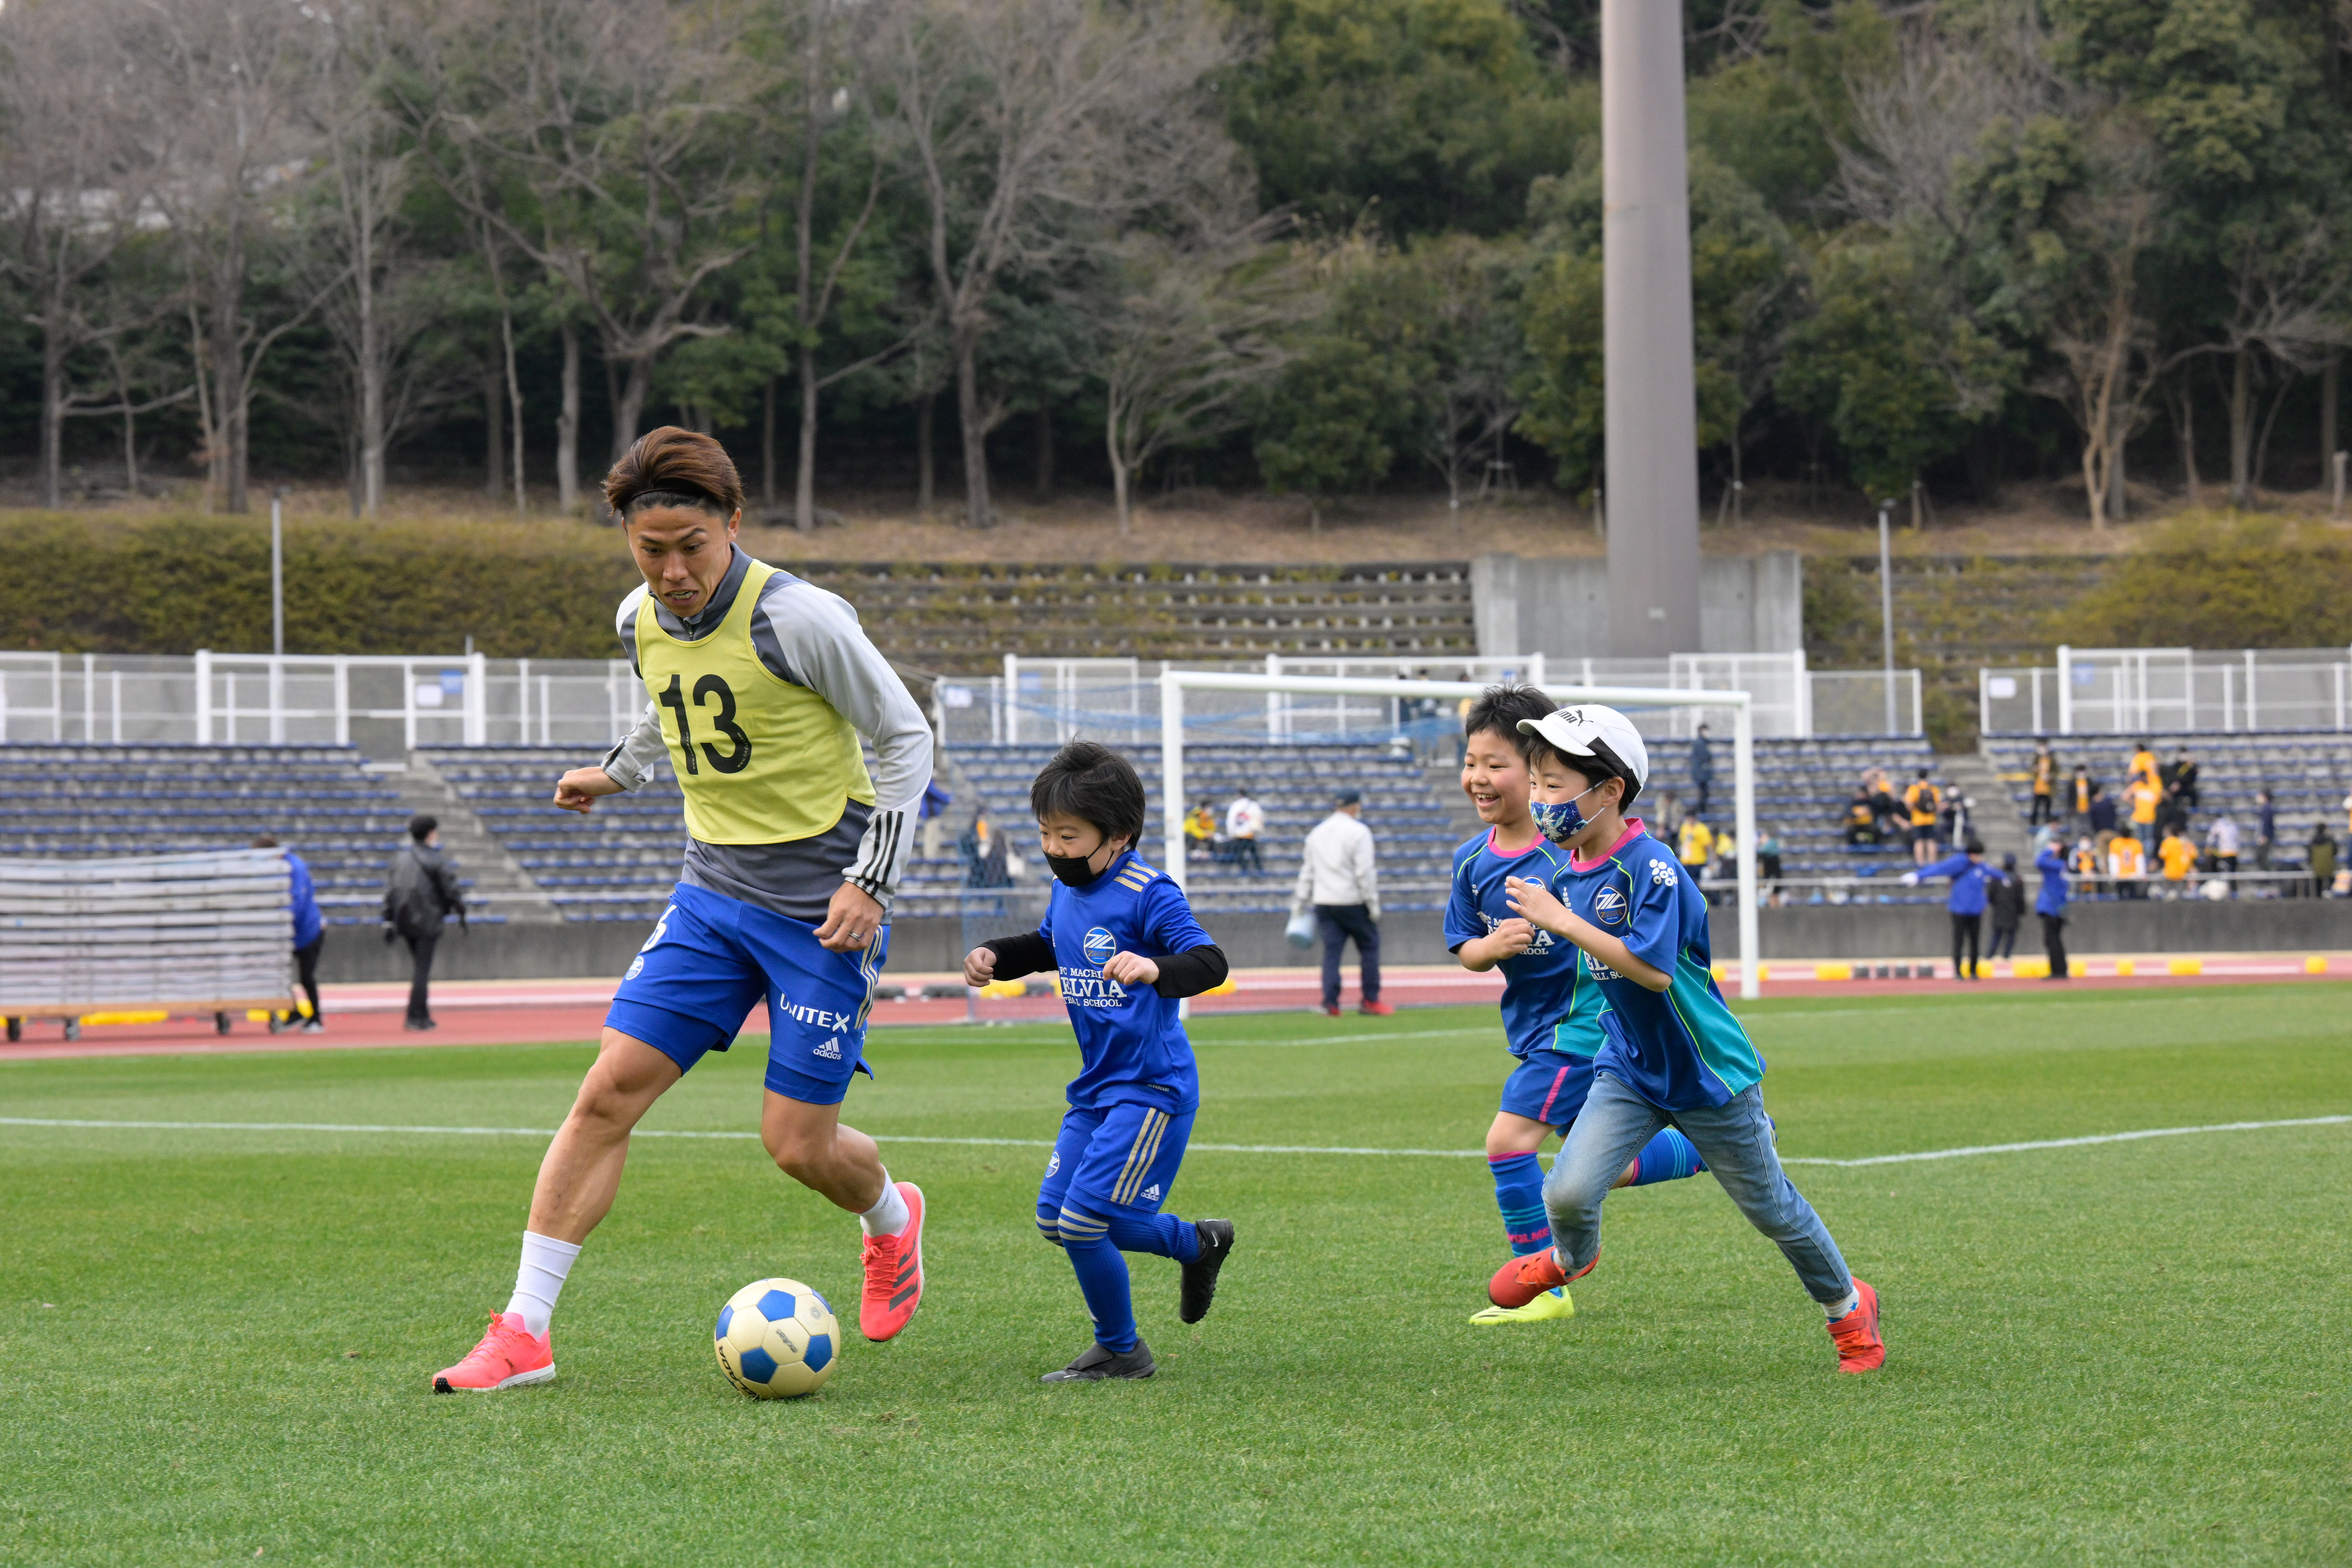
{"points": [[310, 932], [1969, 874], [2051, 905]]}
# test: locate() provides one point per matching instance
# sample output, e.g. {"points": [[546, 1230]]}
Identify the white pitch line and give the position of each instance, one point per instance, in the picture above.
{"points": [[1962, 1153]]}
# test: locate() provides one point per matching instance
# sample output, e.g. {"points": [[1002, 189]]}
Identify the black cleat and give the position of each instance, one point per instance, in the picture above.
{"points": [[1200, 1284], [1098, 1364]]}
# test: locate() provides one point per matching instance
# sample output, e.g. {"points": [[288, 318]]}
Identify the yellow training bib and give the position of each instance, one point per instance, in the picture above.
{"points": [[760, 760]]}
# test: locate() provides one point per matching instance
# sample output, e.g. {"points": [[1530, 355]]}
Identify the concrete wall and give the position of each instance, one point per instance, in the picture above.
{"points": [[1256, 942], [1558, 606]]}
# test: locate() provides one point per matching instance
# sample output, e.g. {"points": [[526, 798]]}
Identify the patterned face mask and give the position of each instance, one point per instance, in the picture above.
{"points": [[1559, 821]]}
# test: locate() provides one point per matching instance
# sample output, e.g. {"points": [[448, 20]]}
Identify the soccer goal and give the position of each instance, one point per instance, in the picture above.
{"points": [[1175, 684]]}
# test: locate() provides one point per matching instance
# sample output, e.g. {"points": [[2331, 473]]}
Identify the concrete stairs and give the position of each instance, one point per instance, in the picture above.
{"points": [[1991, 814], [506, 887]]}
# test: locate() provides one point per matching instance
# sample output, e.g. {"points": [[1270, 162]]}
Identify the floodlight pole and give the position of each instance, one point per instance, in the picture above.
{"points": [[1174, 682], [278, 571], [1648, 385], [1886, 608]]}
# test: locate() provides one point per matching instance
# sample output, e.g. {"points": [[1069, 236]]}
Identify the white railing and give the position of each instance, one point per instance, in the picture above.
{"points": [[2172, 690], [385, 705]]}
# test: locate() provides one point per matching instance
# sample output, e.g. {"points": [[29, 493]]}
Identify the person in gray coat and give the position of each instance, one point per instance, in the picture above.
{"points": [[420, 894]]}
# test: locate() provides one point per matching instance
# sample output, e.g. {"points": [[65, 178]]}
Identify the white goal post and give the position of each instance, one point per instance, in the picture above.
{"points": [[1174, 683]]}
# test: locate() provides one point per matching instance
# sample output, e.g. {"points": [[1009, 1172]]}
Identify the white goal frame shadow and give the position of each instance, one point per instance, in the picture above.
{"points": [[1174, 683]]}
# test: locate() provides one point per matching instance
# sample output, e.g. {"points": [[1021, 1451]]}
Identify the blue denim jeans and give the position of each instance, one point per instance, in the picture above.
{"points": [[1736, 1141]]}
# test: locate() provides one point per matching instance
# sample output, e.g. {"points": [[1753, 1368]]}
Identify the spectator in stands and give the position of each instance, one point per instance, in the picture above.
{"points": [[2142, 765], [1338, 880], [984, 849], [1893, 820], [2180, 777], [2082, 792], [2127, 867], [1768, 858], [310, 931], [1969, 876], [2221, 840], [2320, 860], [1243, 821], [2088, 863], [1702, 769], [1924, 802], [1861, 817], [1958, 819], [2101, 818], [1199, 832], [2007, 901], [2178, 854], [2051, 905], [934, 806], [2265, 828], [1726, 859], [420, 894], [2147, 800], [1696, 846], [2045, 782]]}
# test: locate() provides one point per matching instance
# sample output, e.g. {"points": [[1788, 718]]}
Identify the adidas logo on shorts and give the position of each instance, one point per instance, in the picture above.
{"points": [[831, 1049], [1151, 1194]]}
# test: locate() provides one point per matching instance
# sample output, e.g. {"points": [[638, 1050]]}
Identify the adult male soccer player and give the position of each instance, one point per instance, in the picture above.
{"points": [[1126, 948], [760, 685], [1673, 1056], [1551, 1012]]}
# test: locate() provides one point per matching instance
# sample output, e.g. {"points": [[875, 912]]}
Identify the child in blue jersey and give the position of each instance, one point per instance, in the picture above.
{"points": [[1552, 1010], [1674, 1054], [1126, 948]]}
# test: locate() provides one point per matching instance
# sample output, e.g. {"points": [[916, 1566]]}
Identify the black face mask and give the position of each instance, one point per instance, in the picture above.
{"points": [[1072, 870]]}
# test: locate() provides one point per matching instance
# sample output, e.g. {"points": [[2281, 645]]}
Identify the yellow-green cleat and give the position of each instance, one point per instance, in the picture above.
{"points": [[1553, 1303]]}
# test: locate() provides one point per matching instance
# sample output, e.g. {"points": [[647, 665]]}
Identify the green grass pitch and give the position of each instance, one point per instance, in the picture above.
{"points": [[218, 1342]]}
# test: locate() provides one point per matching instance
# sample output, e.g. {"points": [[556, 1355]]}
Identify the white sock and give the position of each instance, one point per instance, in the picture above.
{"points": [[1844, 1304], [889, 1216], [540, 1279]]}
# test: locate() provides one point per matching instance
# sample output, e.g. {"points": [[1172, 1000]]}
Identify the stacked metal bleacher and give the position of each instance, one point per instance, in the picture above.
{"points": [[2308, 774], [70, 801]]}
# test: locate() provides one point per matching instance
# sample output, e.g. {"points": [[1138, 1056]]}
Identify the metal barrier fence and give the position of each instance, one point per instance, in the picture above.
{"points": [[2132, 690], [385, 706]]}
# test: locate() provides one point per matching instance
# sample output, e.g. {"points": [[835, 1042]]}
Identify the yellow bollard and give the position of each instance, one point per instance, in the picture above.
{"points": [[2028, 968], [1763, 972], [1833, 970], [2185, 966], [1004, 990], [2126, 968], [1222, 988], [2314, 964]]}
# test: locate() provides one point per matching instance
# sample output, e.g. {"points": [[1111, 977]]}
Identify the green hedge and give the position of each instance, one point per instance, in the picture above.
{"points": [[174, 585]]}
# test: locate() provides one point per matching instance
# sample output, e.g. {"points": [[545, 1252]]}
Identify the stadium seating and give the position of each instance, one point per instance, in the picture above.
{"points": [[2307, 772], [619, 862], [74, 801]]}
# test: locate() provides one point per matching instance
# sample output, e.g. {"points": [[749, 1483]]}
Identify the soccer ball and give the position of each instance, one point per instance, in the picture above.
{"points": [[777, 1340]]}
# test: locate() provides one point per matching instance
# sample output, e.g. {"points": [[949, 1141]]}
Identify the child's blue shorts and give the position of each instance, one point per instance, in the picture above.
{"points": [[710, 958], [1122, 1156], [1548, 1086]]}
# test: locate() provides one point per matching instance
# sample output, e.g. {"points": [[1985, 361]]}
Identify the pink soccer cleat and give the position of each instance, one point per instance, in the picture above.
{"points": [[509, 1356], [894, 1273]]}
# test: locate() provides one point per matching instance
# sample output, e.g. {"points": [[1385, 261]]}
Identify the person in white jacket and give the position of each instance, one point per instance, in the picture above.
{"points": [[1337, 879]]}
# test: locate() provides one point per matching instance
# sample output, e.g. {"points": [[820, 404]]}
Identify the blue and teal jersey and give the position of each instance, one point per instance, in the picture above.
{"points": [[1548, 1002], [1679, 1049], [1131, 1042]]}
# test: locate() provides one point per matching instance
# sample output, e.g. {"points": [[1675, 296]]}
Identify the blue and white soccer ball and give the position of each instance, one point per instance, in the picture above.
{"points": [[778, 1340]]}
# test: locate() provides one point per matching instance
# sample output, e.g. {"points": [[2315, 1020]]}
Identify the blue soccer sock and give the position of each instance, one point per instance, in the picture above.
{"points": [[1519, 1193], [1668, 1157], [1102, 1280], [1161, 1235]]}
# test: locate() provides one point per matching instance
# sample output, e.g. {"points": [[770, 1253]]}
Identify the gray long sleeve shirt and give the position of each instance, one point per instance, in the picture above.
{"points": [[811, 637]]}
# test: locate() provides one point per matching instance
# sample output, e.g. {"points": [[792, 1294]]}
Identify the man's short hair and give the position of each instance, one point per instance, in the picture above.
{"points": [[1499, 710], [674, 467], [1094, 784], [263, 841], [420, 826]]}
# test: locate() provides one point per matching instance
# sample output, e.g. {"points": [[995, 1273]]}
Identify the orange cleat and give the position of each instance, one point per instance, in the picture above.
{"points": [[509, 1356], [1378, 1009], [1522, 1279], [894, 1273], [1860, 1346]]}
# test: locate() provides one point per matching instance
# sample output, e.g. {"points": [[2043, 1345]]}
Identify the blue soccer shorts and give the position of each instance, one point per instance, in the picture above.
{"points": [[1119, 1157], [1549, 1087], [710, 958]]}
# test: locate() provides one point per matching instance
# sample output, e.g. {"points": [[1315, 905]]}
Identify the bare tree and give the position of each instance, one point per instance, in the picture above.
{"points": [[233, 76], [2287, 286], [2103, 343], [1037, 127], [80, 160], [1189, 334], [626, 124]]}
